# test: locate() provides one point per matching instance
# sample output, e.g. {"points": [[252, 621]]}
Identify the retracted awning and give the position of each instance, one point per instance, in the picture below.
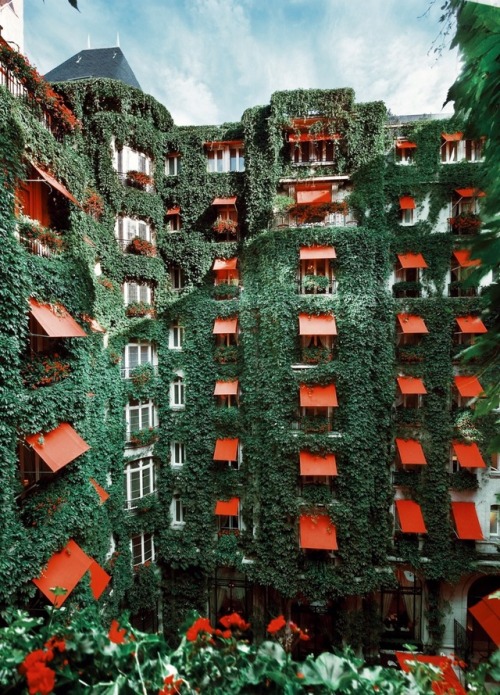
{"points": [[312, 196], [470, 324], [225, 264], [226, 450], [405, 145], [451, 137], [407, 202], [312, 137], [55, 321], [99, 579], [410, 452], [470, 192], [103, 494], [222, 326], [58, 447], [468, 455], [487, 614], [464, 260], [468, 386], [173, 211], [228, 507], [315, 396], [316, 252], [410, 323], [411, 385], [64, 570], [467, 524], [317, 324], [317, 533], [226, 388], [316, 464], [224, 201], [56, 184], [412, 260], [410, 516]]}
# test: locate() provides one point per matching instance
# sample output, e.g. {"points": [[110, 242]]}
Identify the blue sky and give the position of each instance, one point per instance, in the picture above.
{"points": [[209, 60]]}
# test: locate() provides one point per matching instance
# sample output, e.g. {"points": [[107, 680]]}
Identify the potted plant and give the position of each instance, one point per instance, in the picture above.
{"points": [[225, 226]]}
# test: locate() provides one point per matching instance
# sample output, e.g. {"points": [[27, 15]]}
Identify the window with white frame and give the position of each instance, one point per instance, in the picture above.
{"points": [[137, 354], [139, 480], [174, 223], [139, 416], [177, 511], [408, 217], [177, 454], [495, 520], [312, 151], [173, 164], [474, 150], [128, 159], [177, 278], [136, 292], [495, 463], [142, 548], [178, 392], [316, 276], [224, 158], [176, 337], [228, 524], [128, 228], [450, 150]]}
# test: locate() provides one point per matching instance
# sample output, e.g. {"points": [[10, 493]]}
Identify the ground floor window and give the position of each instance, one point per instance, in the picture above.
{"points": [[230, 593], [401, 610]]}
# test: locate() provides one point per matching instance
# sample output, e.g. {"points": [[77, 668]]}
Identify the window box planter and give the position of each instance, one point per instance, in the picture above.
{"points": [[315, 425], [407, 289], [138, 309], [465, 224], [315, 284], [225, 226], [31, 231], [226, 353], [143, 437], [142, 375], [315, 355], [138, 179], [461, 288], [44, 371], [141, 247], [463, 480], [225, 291]]}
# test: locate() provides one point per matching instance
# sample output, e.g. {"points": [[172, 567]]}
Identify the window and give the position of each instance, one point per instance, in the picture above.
{"points": [[135, 292], [177, 278], [177, 511], [316, 276], [474, 150], [174, 223], [126, 159], [139, 416], [449, 151], [495, 520], [228, 524], [316, 419], [312, 152], [32, 468], [405, 151], [137, 354], [142, 547], [139, 480], [407, 217], [176, 337], [173, 164], [224, 157], [128, 228], [495, 463], [177, 454], [401, 610], [178, 392]]}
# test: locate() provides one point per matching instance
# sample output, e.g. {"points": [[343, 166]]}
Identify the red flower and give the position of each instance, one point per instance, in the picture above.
{"points": [[234, 620], [225, 634], [55, 642], [200, 625], [116, 634], [40, 678], [171, 687], [276, 624]]}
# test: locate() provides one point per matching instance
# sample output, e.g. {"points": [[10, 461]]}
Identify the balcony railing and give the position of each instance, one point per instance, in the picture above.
{"points": [[457, 289], [317, 284], [313, 424], [127, 372], [127, 180], [332, 220]]}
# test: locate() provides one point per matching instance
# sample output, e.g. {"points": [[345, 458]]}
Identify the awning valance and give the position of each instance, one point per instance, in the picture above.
{"points": [[451, 137], [468, 386], [226, 388], [55, 321], [225, 264], [317, 533], [317, 324], [411, 385], [103, 494], [467, 524], [56, 184], [405, 145], [448, 683], [410, 516], [58, 447], [224, 201], [99, 579], [173, 211], [468, 455], [312, 137], [316, 464], [412, 260], [314, 196], [407, 202], [470, 324], [64, 569], [470, 193], [412, 324], [226, 450], [315, 396], [228, 507], [316, 252], [410, 452], [222, 326], [487, 614], [217, 144], [464, 260]]}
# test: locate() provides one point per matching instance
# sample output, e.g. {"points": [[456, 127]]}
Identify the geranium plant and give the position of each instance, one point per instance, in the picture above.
{"points": [[141, 247], [138, 179], [225, 226]]}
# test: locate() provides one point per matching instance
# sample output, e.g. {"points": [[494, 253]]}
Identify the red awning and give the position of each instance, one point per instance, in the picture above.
{"points": [[226, 450], [470, 192], [316, 464], [99, 579], [317, 324], [451, 137], [410, 516], [448, 683], [312, 196], [468, 455], [211, 144], [411, 385], [56, 184], [103, 495], [487, 614], [468, 386], [224, 201], [317, 533], [410, 452], [226, 388], [173, 211], [412, 260], [58, 447], [405, 145], [315, 396], [464, 260], [222, 326], [228, 508], [221, 264], [64, 570], [470, 324], [55, 320], [312, 137], [406, 202], [467, 524], [313, 252], [412, 324]]}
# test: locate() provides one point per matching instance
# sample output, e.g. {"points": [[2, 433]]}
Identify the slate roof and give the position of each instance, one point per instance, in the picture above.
{"points": [[95, 62]]}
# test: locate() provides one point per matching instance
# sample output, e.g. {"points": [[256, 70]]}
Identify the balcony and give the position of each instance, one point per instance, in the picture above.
{"points": [[314, 424], [136, 179], [313, 218], [137, 246], [461, 288], [465, 224], [317, 284]]}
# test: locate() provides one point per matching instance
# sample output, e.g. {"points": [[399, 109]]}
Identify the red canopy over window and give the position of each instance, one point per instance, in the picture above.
{"points": [[317, 324], [312, 137], [222, 326], [451, 137], [316, 464], [410, 452], [313, 252], [317, 533], [315, 396], [228, 264], [464, 260], [487, 614], [56, 184], [58, 447], [226, 450], [228, 508], [64, 569], [468, 455], [447, 685], [55, 321], [103, 495], [412, 260], [468, 386], [173, 211], [311, 196], [410, 517], [411, 385], [412, 324], [407, 202], [224, 201], [99, 579], [470, 193], [226, 388], [467, 524], [470, 324]]}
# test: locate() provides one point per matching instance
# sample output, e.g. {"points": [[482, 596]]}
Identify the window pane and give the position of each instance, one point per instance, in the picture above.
{"points": [[144, 293], [233, 159], [135, 484], [134, 419], [146, 417], [220, 160], [132, 292], [145, 354], [133, 356]]}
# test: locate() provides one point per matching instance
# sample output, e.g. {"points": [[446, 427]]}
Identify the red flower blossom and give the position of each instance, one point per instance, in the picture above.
{"points": [[234, 621], [171, 686], [225, 634], [276, 624], [40, 678], [56, 643], [200, 625], [116, 634]]}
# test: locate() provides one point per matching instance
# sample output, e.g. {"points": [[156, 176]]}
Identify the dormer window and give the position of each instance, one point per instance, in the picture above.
{"points": [[225, 156]]}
